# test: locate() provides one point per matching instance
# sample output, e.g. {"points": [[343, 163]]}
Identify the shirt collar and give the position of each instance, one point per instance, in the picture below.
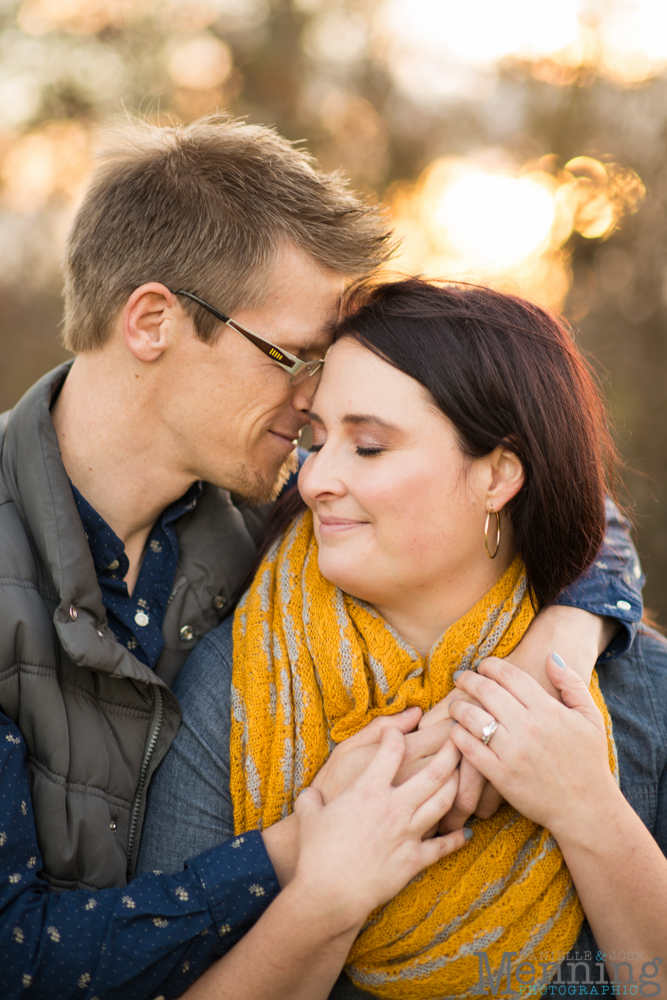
{"points": [[106, 547]]}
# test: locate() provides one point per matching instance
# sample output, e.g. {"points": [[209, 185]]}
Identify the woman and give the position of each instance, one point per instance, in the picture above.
{"points": [[458, 481]]}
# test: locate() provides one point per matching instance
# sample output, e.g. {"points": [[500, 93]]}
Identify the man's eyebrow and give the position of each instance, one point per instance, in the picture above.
{"points": [[317, 345], [359, 418]]}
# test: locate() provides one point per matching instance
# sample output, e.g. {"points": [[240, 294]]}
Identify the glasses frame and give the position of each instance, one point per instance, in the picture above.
{"points": [[297, 369]]}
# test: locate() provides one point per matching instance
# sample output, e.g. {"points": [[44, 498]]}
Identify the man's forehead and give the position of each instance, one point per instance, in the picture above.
{"points": [[310, 330]]}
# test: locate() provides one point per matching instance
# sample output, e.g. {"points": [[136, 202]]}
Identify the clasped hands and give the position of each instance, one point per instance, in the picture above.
{"points": [[425, 734]]}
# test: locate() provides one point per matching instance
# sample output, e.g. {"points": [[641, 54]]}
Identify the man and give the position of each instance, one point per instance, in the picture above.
{"points": [[123, 536]]}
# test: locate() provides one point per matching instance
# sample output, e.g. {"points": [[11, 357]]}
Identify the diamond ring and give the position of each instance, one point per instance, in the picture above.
{"points": [[488, 732]]}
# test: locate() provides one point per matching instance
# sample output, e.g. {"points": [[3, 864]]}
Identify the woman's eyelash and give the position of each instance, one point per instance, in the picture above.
{"points": [[364, 452]]}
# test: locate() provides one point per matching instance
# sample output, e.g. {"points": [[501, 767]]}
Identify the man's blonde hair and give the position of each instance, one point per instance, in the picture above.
{"points": [[206, 207]]}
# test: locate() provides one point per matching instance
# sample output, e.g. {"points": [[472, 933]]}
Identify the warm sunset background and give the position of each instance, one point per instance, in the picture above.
{"points": [[520, 142]]}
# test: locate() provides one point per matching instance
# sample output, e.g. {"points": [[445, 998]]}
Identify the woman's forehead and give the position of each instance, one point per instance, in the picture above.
{"points": [[357, 381]]}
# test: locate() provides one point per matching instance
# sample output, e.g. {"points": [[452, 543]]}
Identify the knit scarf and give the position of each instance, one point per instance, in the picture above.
{"points": [[312, 666]]}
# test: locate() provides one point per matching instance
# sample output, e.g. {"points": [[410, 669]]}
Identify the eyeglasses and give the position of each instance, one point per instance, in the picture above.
{"points": [[297, 369]]}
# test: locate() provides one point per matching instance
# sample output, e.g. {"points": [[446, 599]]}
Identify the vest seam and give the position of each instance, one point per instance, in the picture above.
{"points": [[116, 708], [44, 669], [78, 786], [13, 583]]}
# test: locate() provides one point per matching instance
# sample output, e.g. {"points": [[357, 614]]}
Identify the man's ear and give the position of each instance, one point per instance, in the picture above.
{"points": [[506, 477], [147, 318]]}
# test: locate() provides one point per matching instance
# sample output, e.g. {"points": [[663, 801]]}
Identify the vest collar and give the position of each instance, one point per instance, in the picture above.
{"points": [[37, 482]]}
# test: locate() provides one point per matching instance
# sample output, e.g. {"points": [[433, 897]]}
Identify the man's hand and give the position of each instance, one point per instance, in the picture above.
{"points": [[350, 758], [358, 851]]}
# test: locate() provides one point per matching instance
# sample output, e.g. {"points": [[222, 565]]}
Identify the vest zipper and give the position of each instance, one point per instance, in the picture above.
{"points": [[156, 725]]}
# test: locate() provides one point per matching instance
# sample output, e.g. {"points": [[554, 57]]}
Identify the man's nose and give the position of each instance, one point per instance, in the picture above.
{"points": [[304, 391]]}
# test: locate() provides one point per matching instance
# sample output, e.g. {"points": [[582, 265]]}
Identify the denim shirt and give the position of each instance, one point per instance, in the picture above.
{"points": [[190, 791], [612, 585]]}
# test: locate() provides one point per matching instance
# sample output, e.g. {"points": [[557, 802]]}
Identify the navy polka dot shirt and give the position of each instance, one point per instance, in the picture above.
{"points": [[137, 620], [151, 939]]}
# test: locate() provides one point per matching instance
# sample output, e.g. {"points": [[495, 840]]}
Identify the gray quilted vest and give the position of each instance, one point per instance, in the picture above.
{"points": [[96, 721]]}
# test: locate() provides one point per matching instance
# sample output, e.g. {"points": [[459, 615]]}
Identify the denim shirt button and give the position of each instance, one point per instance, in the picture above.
{"points": [[623, 605]]}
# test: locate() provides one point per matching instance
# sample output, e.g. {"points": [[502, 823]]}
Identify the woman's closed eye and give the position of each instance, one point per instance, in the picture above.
{"points": [[360, 450]]}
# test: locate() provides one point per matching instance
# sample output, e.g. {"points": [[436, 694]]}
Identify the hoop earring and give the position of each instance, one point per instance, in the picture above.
{"points": [[486, 532]]}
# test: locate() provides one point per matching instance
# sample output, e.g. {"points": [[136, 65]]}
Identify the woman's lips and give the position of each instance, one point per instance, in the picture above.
{"points": [[336, 525]]}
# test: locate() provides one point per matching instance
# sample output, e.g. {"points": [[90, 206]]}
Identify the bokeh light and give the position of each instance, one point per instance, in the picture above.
{"points": [[199, 62], [512, 142], [442, 48], [511, 229]]}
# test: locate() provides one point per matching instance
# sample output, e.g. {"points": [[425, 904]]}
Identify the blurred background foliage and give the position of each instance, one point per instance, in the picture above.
{"points": [[520, 142]]}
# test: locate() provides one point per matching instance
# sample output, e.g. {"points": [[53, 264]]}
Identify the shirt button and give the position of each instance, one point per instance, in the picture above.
{"points": [[112, 826], [187, 633], [141, 618], [623, 605], [113, 565], [73, 613], [219, 602]]}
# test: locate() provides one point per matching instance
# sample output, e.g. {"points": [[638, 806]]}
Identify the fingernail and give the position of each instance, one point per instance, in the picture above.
{"points": [[407, 710], [467, 832], [454, 722], [559, 661], [457, 674]]}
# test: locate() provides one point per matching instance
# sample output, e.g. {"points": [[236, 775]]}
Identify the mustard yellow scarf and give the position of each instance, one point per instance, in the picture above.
{"points": [[312, 666]]}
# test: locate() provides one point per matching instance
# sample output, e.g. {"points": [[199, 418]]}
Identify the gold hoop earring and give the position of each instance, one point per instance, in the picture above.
{"points": [[489, 512]]}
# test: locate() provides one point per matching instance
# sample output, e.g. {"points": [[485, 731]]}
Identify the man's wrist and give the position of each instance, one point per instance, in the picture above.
{"points": [[282, 845], [576, 635], [334, 918]]}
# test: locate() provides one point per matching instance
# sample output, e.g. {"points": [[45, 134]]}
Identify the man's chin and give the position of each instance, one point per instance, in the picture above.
{"points": [[252, 486]]}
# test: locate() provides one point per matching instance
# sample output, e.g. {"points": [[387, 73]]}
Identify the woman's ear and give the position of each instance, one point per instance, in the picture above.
{"points": [[146, 319], [506, 477]]}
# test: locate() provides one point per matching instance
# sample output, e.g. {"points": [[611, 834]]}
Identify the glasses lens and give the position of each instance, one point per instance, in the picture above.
{"points": [[311, 370]]}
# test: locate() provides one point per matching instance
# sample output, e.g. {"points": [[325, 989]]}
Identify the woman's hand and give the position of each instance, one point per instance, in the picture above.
{"points": [[548, 759], [476, 794], [358, 851]]}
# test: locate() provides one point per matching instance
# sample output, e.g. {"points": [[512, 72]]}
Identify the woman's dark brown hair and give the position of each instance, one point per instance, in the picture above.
{"points": [[503, 371]]}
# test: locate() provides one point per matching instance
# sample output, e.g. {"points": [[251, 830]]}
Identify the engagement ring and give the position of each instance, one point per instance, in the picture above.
{"points": [[488, 732]]}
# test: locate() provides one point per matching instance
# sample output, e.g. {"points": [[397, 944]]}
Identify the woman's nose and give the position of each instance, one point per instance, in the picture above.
{"points": [[319, 478]]}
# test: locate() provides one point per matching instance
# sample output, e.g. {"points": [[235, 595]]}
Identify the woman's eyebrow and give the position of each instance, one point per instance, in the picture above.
{"points": [[366, 418], [358, 418]]}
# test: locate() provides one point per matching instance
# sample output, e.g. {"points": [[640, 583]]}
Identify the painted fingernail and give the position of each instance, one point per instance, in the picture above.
{"points": [[454, 722], [559, 661], [467, 832], [457, 674]]}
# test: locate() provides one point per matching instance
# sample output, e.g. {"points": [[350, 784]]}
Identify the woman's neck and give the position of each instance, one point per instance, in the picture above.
{"points": [[421, 616]]}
